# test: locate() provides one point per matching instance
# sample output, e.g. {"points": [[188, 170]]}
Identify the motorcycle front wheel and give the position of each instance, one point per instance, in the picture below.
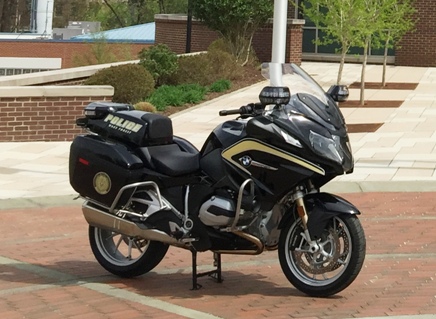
{"points": [[125, 256], [330, 269]]}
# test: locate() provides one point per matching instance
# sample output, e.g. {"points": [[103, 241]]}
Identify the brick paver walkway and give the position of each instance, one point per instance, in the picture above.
{"points": [[47, 271]]}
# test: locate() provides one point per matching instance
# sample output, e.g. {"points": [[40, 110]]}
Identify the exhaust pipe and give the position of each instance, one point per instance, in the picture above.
{"points": [[101, 219]]}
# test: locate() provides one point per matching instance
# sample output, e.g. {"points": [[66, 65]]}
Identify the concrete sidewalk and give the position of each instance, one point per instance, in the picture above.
{"points": [[48, 271], [399, 156]]}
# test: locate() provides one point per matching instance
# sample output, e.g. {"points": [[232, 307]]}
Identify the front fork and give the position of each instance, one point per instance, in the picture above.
{"points": [[302, 212], [322, 208]]}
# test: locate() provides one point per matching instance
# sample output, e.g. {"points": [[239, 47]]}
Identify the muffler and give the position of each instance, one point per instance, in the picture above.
{"points": [[98, 218]]}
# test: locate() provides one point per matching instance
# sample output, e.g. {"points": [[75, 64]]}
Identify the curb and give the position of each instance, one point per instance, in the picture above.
{"points": [[335, 187], [40, 202]]}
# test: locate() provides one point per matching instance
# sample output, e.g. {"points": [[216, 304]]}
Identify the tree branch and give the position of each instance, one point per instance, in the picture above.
{"points": [[114, 12]]}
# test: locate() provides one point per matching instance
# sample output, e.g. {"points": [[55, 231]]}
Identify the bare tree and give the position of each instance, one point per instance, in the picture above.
{"points": [[7, 13]]}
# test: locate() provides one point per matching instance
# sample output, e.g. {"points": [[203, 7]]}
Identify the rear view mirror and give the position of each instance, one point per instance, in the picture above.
{"points": [[339, 93]]}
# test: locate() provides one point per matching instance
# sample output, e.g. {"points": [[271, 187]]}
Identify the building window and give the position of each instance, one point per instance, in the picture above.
{"points": [[5, 72], [311, 33]]}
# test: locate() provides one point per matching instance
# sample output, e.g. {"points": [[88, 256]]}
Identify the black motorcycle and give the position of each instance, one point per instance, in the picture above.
{"points": [[254, 186]]}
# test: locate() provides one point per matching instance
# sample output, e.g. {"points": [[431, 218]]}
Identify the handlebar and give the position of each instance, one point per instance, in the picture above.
{"points": [[249, 109], [230, 112]]}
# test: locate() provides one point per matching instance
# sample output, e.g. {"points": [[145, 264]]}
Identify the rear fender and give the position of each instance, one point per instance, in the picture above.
{"points": [[321, 207]]}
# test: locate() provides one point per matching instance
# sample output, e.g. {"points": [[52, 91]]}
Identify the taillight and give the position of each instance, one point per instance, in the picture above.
{"points": [[83, 161]]}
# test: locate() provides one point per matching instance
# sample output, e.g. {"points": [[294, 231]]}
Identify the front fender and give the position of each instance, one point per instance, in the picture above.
{"points": [[321, 207]]}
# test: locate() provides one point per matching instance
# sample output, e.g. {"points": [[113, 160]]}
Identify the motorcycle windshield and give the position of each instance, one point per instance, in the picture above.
{"points": [[308, 97]]}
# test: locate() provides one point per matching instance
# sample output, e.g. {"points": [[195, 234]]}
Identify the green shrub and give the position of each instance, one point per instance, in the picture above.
{"points": [[206, 68], [193, 69], [224, 65], [132, 83], [222, 45], [220, 86], [160, 61], [179, 95], [192, 93], [219, 45], [163, 96], [145, 106]]}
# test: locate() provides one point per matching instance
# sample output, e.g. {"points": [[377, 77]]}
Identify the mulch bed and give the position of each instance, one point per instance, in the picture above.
{"points": [[388, 86], [363, 128], [372, 127]]}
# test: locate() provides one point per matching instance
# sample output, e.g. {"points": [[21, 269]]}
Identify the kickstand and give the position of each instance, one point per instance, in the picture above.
{"points": [[215, 274]]}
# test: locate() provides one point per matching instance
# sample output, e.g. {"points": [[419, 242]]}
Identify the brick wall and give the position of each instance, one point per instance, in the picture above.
{"points": [[26, 115], [295, 43], [171, 30], [67, 51], [419, 48]]}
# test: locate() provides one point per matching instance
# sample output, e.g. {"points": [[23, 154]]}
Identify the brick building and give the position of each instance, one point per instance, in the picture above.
{"points": [[417, 48], [67, 51]]}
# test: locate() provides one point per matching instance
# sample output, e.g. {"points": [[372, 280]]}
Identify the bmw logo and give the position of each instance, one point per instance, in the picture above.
{"points": [[245, 160]]}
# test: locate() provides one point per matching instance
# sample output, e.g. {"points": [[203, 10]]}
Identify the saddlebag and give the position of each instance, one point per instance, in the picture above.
{"points": [[98, 169], [114, 121]]}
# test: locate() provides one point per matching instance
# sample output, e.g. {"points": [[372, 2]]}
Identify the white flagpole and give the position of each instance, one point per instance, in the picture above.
{"points": [[278, 50]]}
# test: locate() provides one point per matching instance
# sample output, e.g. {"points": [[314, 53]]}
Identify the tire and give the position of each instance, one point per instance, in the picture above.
{"points": [[344, 241], [125, 256]]}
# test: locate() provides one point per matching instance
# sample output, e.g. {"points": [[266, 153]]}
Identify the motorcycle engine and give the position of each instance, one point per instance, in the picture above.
{"points": [[217, 211]]}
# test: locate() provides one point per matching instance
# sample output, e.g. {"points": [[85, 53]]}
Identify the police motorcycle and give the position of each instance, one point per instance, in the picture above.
{"points": [[254, 186]]}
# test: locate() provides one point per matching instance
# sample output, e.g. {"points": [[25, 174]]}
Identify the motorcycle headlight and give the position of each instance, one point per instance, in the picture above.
{"points": [[326, 147]]}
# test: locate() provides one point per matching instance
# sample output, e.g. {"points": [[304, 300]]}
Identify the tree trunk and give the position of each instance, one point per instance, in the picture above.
{"points": [[362, 76], [247, 58], [6, 13], [341, 65], [385, 61], [161, 6]]}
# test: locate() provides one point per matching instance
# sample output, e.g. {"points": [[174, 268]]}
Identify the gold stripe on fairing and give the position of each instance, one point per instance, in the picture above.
{"points": [[253, 145]]}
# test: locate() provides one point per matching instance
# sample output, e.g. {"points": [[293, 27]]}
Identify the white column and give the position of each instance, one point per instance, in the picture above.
{"points": [[278, 51], [44, 17]]}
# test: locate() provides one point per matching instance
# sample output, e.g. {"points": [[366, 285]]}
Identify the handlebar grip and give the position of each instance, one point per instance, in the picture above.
{"points": [[229, 112]]}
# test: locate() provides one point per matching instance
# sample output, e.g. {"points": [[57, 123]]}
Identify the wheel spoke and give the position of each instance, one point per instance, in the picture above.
{"points": [[137, 246], [129, 249], [342, 258], [119, 243], [112, 235]]}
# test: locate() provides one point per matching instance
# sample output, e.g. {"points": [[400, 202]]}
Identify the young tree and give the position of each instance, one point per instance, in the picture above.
{"points": [[398, 18], [235, 20], [382, 22], [339, 19], [370, 24]]}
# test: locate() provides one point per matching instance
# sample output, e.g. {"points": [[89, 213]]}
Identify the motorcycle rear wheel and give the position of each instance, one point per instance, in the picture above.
{"points": [[125, 256], [334, 267]]}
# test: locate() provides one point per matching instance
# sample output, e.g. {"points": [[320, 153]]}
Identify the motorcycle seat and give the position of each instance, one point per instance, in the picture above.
{"points": [[170, 160]]}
